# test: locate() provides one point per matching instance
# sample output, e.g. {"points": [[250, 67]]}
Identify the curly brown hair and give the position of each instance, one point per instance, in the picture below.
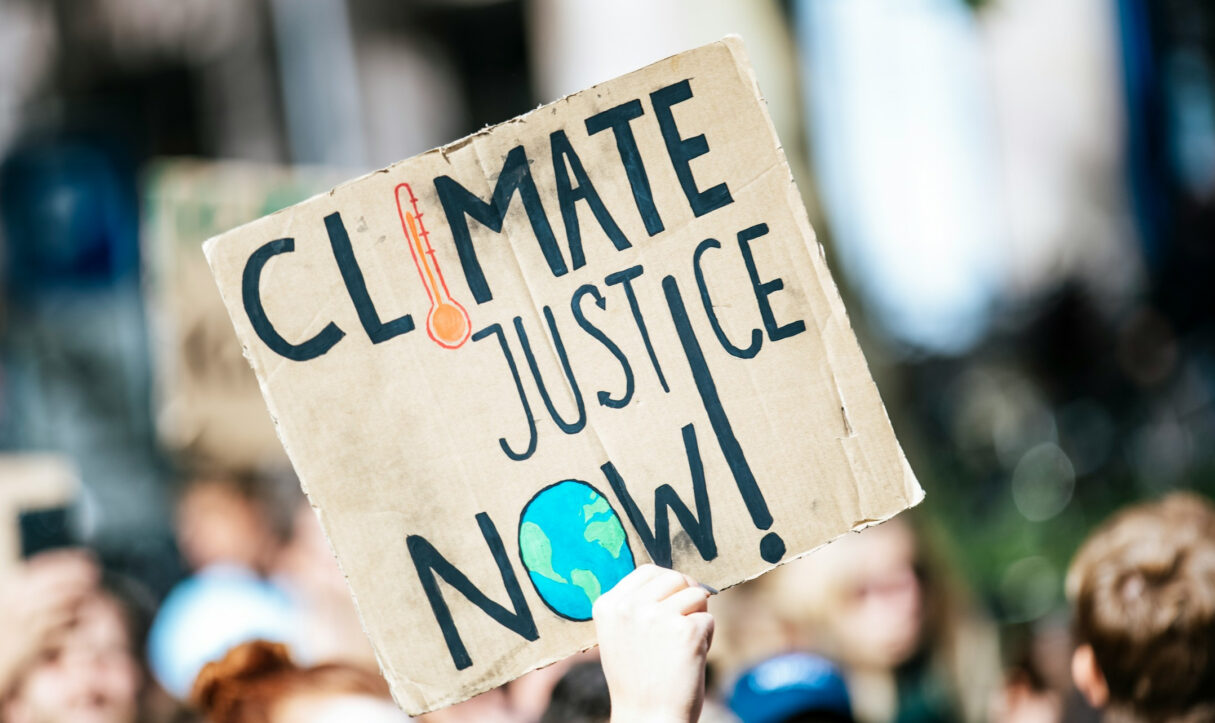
{"points": [[1143, 588], [254, 677]]}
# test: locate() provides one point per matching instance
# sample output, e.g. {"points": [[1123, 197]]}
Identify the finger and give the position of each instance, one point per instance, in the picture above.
{"points": [[63, 573], [62, 580], [50, 557], [52, 614], [74, 561], [693, 582], [633, 581], [623, 590], [42, 630], [62, 593], [662, 586], [707, 625], [687, 601], [54, 639]]}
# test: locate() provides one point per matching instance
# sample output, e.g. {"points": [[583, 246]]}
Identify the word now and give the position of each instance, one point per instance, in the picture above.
{"points": [[431, 565]]}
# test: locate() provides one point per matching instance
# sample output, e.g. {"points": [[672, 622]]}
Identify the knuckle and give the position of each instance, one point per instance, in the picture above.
{"points": [[670, 576]]}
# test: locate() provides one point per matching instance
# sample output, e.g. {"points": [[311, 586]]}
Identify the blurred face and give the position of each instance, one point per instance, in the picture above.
{"points": [[216, 524], [490, 707], [337, 709], [859, 599], [879, 616], [90, 676]]}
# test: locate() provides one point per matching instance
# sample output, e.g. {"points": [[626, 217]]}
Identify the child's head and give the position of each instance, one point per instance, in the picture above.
{"points": [[1143, 588], [231, 517], [256, 682]]}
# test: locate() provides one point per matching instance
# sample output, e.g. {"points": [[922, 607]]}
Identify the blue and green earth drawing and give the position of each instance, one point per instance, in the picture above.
{"points": [[573, 546]]}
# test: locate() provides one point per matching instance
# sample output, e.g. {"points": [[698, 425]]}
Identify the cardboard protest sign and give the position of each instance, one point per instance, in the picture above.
{"points": [[207, 401], [511, 369]]}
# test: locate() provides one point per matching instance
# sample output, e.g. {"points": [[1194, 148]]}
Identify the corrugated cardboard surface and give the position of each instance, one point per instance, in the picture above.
{"points": [[402, 438]]}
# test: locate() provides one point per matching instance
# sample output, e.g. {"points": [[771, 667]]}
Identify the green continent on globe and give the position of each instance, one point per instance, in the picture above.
{"points": [[589, 583], [598, 506], [573, 546], [538, 551], [607, 533]]}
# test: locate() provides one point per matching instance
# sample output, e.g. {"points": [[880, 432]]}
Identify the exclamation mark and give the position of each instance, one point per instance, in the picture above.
{"points": [[771, 547]]}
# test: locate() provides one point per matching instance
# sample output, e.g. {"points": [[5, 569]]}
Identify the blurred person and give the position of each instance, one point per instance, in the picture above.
{"points": [[493, 706], [77, 643], [532, 694], [1026, 698], [750, 628], [39, 599], [1143, 590], [267, 572], [230, 537], [791, 688], [257, 682], [909, 651], [328, 627], [580, 696], [223, 518]]}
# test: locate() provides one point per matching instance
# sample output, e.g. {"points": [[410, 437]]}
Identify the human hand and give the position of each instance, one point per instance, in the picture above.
{"points": [[654, 633], [39, 600]]}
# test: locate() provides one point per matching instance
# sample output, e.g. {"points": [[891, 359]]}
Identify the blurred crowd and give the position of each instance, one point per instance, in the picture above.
{"points": [[1017, 198], [870, 628]]}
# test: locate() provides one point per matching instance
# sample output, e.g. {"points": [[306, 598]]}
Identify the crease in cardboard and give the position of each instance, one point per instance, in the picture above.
{"points": [[826, 294], [863, 419], [474, 147], [538, 314], [826, 290]]}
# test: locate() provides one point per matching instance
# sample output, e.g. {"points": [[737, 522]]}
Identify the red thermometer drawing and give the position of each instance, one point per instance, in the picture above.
{"points": [[447, 321]]}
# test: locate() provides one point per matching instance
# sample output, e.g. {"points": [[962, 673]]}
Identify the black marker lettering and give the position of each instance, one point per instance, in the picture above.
{"points": [[459, 204], [625, 278], [699, 526], [683, 150], [428, 562], [757, 336], [567, 427], [251, 296], [771, 547], [764, 289], [343, 253], [605, 399], [618, 120], [514, 373], [568, 198]]}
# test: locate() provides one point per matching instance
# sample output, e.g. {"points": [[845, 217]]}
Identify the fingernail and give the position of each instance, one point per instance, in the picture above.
{"points": [[710, 589]]}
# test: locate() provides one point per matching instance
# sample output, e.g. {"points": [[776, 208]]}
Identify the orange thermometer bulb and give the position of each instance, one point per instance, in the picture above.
{"points": [[447, 322]]}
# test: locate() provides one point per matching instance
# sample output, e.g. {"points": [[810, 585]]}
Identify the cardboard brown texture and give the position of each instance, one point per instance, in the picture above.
{"points": [[505, 379], [207, 400]]}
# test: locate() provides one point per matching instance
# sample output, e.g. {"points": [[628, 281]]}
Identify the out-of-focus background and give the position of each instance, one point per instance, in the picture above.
{"points": [[1017, 198]]}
